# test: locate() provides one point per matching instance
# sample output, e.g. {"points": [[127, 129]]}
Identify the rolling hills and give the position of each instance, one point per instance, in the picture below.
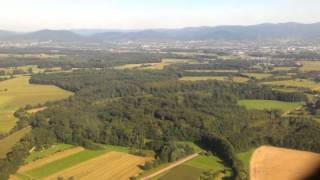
{"points": [[291, 30]]}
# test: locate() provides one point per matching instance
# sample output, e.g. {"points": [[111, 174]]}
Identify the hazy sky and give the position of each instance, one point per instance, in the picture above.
{"points": [[26, 15]]}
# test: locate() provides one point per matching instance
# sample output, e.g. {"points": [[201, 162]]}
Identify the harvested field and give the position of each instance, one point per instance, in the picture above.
{"points": [[282, 164], [240, 79], [156, 66], [8, 142], [50, 158], [18, 92], [35, 110], [310, 66], [112, 165]]}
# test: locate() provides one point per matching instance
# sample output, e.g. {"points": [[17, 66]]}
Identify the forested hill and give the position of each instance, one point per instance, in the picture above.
{"points": [[254, 32], [294, 31]]}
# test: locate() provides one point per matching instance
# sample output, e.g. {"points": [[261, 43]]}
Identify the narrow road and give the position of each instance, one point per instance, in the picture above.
{"points": [[170, 167]]}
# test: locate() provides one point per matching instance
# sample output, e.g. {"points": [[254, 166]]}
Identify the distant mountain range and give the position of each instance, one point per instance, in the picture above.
{"points": [[252, 32]]}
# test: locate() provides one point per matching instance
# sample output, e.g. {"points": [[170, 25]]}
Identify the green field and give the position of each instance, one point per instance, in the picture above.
{"points": [[7, 143], [195, 147], [18, 92], [269, 104], [206, 163], [184, 172], [62, 164], [245, 157], [46, 152], [69, 161], [193, 168], [122, 149]]}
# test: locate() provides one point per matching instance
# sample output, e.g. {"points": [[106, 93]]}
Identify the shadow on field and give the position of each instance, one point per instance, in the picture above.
{"points": [[314, 175]]}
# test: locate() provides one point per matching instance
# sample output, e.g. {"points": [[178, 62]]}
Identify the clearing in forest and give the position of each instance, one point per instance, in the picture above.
{"points": [[269, 104], [112, 165], [279, 163], [18, 92]]}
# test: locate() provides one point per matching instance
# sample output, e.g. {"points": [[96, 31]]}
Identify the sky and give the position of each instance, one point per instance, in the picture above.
{"points": [[30, 15]]}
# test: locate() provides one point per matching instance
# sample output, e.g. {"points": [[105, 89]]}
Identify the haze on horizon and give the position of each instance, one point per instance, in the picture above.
{"points": [[30, 15]]}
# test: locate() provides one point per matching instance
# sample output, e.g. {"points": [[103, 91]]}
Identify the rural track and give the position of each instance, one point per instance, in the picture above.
{"points": [[288, 112], [179, 162]]}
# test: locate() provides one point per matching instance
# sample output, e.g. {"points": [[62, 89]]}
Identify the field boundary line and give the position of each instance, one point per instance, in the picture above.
{"points": [[179, 162]]}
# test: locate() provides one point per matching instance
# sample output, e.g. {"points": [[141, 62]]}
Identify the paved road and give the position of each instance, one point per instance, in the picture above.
{"points": [[170, 167]]}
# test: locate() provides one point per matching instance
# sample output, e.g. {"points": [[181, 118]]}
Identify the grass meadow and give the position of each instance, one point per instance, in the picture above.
{"points": [[245, 158], [269, 104], [46, 152]]}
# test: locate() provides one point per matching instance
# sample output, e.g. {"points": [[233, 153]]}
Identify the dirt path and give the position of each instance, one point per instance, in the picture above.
{"points": [[170, 167], [288, 112]]}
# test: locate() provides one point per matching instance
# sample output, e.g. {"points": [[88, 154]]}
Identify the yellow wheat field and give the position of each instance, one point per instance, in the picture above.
{"points": [[111, 166], [282, 164]]}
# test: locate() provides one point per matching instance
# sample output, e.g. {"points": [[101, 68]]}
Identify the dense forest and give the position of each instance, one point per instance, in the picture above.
{"points": [[82, 60]]}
